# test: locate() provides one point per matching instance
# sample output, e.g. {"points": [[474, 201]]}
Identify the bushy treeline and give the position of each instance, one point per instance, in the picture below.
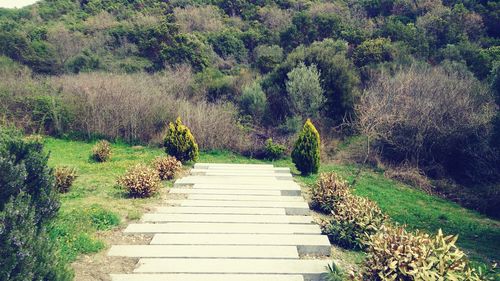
{"points": [[244, 71]]}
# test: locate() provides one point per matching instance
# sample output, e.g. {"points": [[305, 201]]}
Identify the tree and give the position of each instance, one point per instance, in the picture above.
{"points": [[179, 142], [253, 101], [306, 153], [268, 57], [305, 90]]}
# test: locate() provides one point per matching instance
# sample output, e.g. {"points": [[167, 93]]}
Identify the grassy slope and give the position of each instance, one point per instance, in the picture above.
{"points": [[94, 197]]}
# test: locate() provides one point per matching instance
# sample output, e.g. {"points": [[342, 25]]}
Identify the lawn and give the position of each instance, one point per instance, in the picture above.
{"points": [[95, 204]]}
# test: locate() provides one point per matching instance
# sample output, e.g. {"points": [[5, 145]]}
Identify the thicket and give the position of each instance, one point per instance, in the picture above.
{"points": [[124, 69]]}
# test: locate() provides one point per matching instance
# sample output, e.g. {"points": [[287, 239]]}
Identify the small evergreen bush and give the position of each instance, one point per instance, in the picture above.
{"points": [[305, 154], [65, 176], [25, 250], [167, 167], [273, 150], [396, 254], [140, 181], [101, 152], [353, 219], [180, 143], [328, 192]]}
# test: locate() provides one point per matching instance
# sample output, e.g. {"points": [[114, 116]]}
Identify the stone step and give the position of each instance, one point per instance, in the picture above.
{"points": [[246, 197], [291, 208], [235, 166], [205, 277], [311, 244], [221, 210], [241, 180], [226, 218], [204, 251], [224, 191], [175, 227], [310, 269], [249, 173], [283, 185]]}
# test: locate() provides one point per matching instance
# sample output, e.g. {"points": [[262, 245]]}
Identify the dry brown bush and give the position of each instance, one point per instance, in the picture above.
{"points": [[65, 176], [202, 19], [410, 175], [275, 18], [167, 167], [137, 107], [140, 181], [426, 115]]}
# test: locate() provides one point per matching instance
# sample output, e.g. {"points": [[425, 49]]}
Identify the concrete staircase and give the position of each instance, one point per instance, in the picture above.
{"points": [[239, 223]]}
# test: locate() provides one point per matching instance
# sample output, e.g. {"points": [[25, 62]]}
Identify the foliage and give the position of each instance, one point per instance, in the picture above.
{"points": [[180, 143], [328, 192], [23, 168], [304, 88], [268, 57], [353, 219], [167, 167], [253, 101], [227, 44], [101, 152], [306, 154], [273, 150], [394, 253], [26, 252], [65, 176], [373, 51], [334, 273], [140, 181]]}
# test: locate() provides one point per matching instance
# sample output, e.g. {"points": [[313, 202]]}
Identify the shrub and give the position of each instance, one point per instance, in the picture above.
{"points": [[334, 273], [140, 181], [179, 142], [395, 254], [64, 178], [304, 88], [167, 167], [267, 57], [305, 154], [373, 51], [328, 192], [353, 219], [253, 101], [101, 152], [273, 150], [26, 251], [23, 168]]}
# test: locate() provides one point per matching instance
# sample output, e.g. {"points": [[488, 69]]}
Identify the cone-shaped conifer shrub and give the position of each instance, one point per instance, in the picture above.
{"points": [[305, 154], [180, 143]]}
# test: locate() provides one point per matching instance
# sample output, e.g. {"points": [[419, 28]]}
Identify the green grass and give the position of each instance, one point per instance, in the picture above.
{"points": [[94, 201]]}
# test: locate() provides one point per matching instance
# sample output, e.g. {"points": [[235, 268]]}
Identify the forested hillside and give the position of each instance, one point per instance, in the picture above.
{"points": [[412, 85]]}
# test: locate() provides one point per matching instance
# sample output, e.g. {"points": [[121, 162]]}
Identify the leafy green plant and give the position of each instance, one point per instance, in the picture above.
{"points": [[273, 150], [180, 143], [167, 167], [396, 254], [140, 181], [306, 154], [328, 192], [65, 176], [353, 219], [103, 219], [101, 152], [334, 273]]}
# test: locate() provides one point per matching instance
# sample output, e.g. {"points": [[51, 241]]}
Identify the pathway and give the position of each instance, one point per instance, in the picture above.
{"points": [[239, 223]]}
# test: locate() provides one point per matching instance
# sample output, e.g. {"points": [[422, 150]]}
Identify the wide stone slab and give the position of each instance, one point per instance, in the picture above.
{"points": [[221, 210], [241, 180], [246, 197], [310, 269], [226, 218], [250, 173], [306, 243], [205, 277], [282, 185], [228, 203], [204, 251], [237, 166], [224, 191], [174, 227]]}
